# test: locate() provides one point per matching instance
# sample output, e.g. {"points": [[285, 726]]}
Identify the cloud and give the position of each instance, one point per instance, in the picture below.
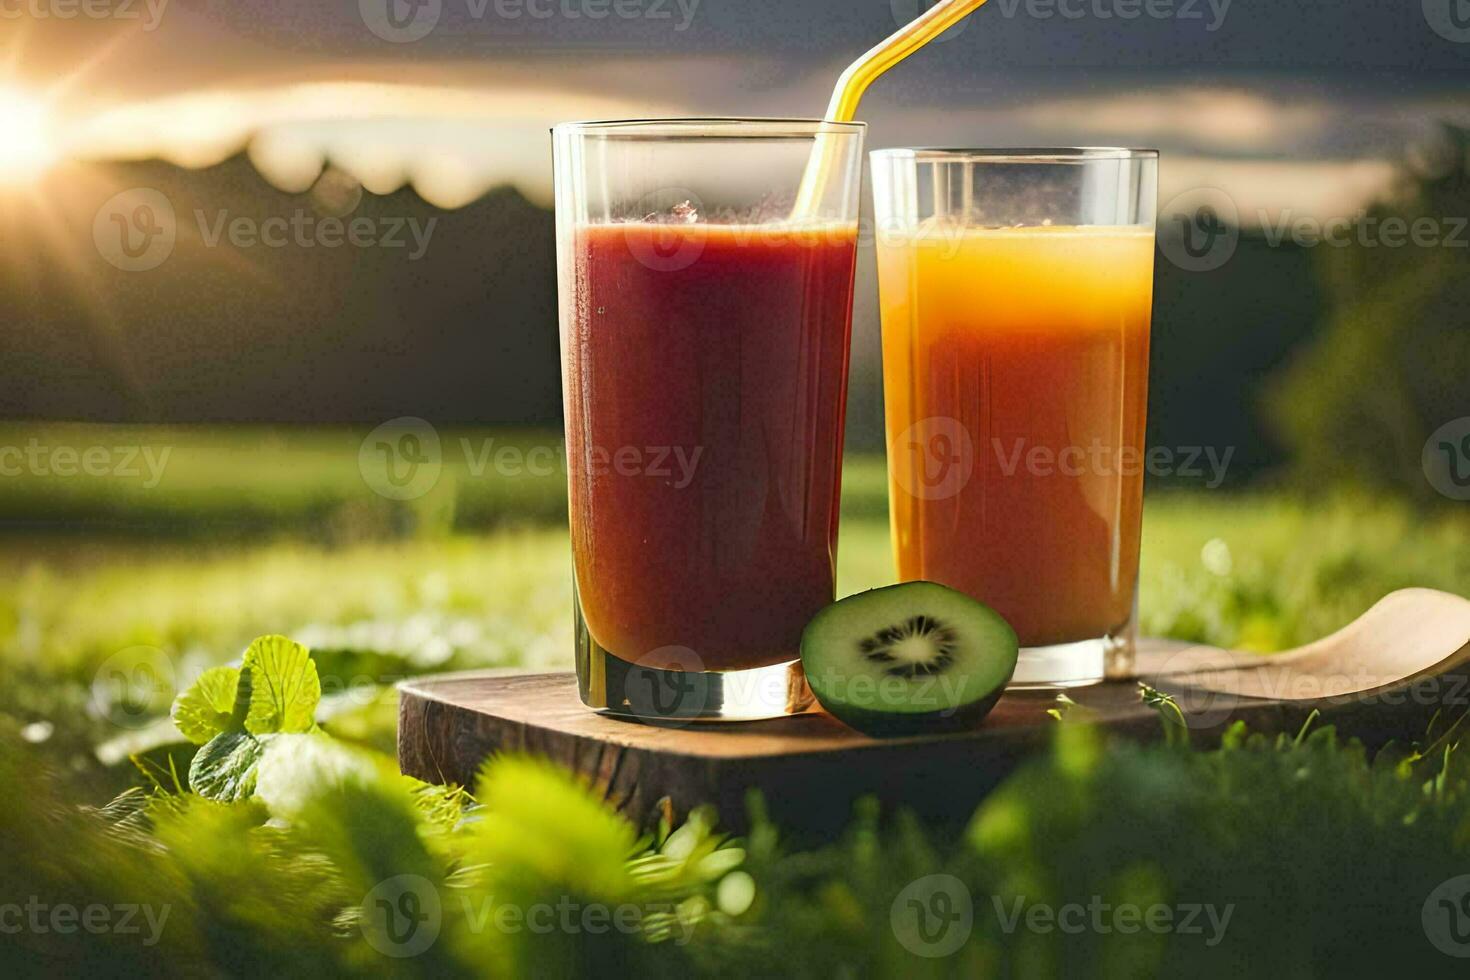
{"points": [[450, 144], [1230, 120], [453, 143], [1266, 191]]}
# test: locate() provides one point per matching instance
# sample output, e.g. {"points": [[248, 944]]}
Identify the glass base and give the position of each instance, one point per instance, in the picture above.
{"points": [[614, 686], [1109, 657]]}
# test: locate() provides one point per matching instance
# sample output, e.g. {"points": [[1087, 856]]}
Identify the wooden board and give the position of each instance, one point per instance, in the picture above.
{"points": [[1382, 678]]}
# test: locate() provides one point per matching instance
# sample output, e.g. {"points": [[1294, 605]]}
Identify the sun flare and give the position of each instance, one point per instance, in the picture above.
{"points": [[26, 147]]}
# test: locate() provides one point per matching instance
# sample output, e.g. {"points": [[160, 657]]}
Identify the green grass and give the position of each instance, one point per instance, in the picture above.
{"points": [[252, 531], [114, 596], [295, 877], [1260, 572]]}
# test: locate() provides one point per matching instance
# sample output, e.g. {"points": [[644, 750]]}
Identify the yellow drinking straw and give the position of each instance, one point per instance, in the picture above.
{"points": [[862, 73]]}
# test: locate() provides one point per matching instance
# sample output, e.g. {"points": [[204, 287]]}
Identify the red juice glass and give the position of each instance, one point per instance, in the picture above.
{"points": [[705, 327]]}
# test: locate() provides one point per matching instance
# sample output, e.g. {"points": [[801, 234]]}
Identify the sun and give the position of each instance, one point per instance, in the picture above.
{"points": [[26, 147]]}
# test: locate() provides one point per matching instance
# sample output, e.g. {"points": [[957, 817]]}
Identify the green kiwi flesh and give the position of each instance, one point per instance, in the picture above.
{"points": [[908, 659]]}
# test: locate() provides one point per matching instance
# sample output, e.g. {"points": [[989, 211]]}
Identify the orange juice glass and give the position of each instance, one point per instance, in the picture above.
{"points": [[1016, 289]]}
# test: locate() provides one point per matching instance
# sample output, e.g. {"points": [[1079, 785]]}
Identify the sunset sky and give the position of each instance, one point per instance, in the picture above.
{"points": [[1301, 106]]}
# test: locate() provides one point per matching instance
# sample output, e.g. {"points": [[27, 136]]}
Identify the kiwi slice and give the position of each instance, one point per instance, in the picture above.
{"points": [[908, 658]]}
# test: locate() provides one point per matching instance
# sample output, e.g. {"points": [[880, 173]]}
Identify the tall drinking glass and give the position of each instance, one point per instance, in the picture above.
{"points": [[1016, 288], [704, 338]]}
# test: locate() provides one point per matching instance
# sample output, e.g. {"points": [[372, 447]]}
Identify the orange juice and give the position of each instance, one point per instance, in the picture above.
{"points": [[1015, 366]]}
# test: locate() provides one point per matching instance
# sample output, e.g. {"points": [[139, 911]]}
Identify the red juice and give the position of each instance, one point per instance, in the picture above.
{"points": [[705, 377]]}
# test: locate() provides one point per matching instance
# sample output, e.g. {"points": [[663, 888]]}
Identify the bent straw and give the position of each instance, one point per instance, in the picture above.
{"points": [[855, 81]]}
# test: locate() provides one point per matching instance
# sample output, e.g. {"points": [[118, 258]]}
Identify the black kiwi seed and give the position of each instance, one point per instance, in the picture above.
{"points": [[942, 640]]}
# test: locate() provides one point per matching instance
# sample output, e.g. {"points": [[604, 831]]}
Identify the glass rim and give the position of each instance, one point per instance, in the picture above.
{"points": [[1019, 154], [712, 127]]}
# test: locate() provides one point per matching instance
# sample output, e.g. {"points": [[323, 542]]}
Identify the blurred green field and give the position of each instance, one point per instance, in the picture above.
{"points": [[237, 481], [250, 531]]}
